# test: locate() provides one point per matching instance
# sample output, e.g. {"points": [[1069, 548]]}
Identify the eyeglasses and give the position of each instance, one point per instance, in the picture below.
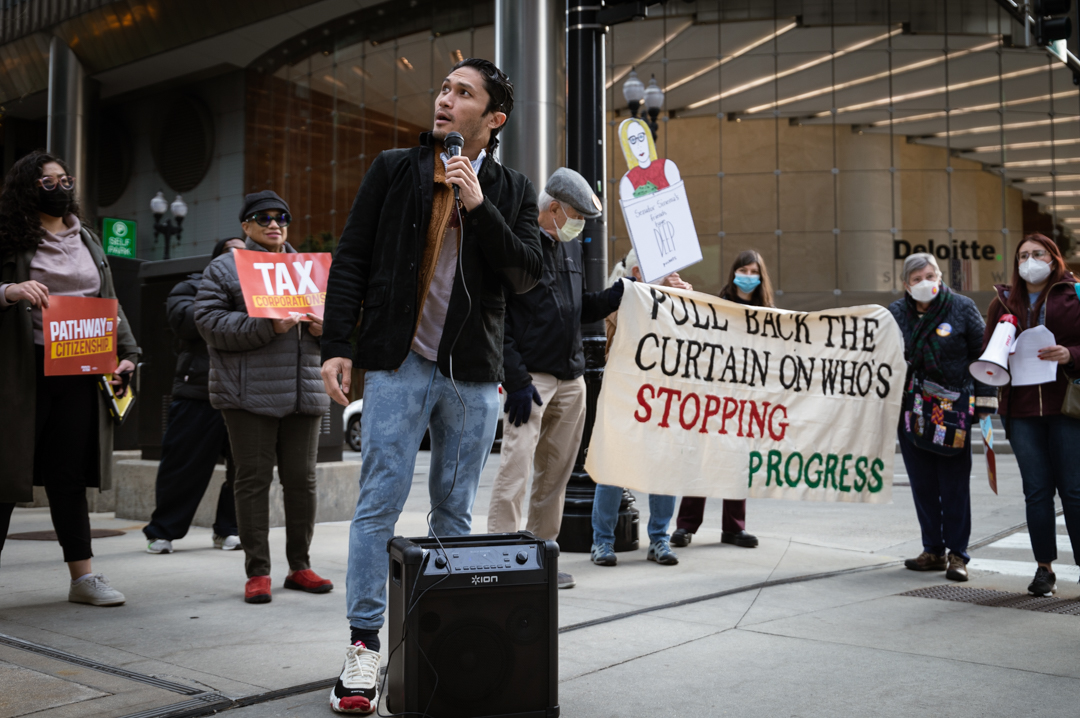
{"points": [[51, 183], [640, 137], [263, 219], [1037, 254]]}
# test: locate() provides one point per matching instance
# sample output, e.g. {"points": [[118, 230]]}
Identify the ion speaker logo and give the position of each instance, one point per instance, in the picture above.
{"points": [[477, 580]]}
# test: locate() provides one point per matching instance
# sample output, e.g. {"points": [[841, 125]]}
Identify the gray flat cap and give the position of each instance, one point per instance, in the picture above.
{"points": [[568, 186]]}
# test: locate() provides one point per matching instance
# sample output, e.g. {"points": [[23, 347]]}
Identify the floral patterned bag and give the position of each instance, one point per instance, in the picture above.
{"points": [[937, 419]]}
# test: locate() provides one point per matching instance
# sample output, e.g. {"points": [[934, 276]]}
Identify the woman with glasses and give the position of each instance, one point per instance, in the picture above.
{"points": [[55, 431], [1044, 293], [265, 378]]}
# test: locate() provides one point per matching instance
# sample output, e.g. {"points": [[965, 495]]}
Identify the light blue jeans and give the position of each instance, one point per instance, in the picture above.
{"points": [[605, 514], [398, 407]]}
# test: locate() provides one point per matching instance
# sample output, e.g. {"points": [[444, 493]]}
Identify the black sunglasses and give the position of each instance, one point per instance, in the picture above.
{"points": [[263, 219]]}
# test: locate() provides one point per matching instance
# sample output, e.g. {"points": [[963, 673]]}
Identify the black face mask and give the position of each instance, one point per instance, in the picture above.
{"points": [[54, 203]]}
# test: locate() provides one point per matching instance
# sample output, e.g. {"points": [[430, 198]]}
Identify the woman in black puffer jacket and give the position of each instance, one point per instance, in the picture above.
{"points": [[264, 377], [942, 336]]}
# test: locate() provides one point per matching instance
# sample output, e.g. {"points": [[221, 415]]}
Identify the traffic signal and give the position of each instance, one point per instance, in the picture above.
{"points": [[1052, 21]]}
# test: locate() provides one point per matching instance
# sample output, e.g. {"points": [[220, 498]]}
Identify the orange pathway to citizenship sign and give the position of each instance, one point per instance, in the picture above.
{"points": [[277, 284], [80, 335]]}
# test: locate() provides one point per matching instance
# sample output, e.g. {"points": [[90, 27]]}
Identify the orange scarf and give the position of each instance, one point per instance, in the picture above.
{"points": [[441, 206]]}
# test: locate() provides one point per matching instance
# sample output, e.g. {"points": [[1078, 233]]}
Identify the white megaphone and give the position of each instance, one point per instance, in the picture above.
{"points": [[993, 366]]}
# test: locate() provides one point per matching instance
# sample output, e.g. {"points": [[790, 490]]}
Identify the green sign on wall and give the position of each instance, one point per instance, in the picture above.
{"points": [[118, 236]]}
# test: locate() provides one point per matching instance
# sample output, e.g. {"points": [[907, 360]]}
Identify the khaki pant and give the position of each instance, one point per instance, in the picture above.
{"points": [[258, 442], [544, 447]]}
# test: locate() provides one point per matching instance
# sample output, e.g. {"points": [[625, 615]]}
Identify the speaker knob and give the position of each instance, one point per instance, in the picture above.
{"points": [[522, 557], [440, 562]]}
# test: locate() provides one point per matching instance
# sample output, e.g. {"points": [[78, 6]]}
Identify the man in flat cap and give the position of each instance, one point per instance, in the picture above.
{"points": [[544, 363]]}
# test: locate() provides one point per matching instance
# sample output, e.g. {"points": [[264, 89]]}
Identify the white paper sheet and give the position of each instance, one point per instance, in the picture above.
{"points": [[1025, 366]]}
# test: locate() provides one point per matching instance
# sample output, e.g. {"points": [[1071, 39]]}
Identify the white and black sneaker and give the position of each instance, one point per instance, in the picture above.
{"points": [[357, 689]]}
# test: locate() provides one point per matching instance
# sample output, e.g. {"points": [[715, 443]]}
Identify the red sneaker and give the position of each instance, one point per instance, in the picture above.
{"points": [[308, 580], [257, 590]]}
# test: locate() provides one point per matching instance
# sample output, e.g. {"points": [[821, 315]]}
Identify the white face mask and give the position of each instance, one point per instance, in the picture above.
{"points": [[571, 229], [1034, 271], [925, 291]]}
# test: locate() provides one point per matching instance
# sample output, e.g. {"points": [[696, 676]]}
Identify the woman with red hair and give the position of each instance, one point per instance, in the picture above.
{"points": [[1044, 293]]}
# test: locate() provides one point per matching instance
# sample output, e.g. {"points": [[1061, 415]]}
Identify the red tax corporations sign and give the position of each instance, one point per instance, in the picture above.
{"points": [[278, 284], [80, 335]]}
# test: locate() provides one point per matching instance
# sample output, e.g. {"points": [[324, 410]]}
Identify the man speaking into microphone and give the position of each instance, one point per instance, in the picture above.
{"points": [[436, 236]]}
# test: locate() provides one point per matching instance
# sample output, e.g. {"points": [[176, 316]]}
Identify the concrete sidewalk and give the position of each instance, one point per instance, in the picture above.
{"points": [[843, 644]]}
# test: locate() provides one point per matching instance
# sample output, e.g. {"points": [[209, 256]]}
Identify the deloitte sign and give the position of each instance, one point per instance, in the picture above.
{"points": [[958, 250], [118, 236]]}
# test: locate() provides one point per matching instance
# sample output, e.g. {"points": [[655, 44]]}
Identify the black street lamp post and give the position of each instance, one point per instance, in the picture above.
{"points": [[167, 228], [585, 131]]}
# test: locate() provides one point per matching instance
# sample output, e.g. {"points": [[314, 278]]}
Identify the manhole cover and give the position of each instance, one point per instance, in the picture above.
{"points": [[999, 599], [51, 535]]}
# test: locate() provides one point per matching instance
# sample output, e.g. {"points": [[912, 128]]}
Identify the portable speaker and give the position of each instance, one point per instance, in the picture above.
{"points": [[473, 627]]}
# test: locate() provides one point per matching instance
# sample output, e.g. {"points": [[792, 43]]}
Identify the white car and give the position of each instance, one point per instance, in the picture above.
{"points": [[352, 424], [354, 411]]}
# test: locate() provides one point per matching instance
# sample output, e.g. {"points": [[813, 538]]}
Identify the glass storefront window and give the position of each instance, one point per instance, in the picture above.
{"points": [[316, 122]]}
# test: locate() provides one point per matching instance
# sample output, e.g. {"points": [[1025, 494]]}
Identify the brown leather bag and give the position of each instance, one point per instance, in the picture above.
{"points": [[1071, 405]]}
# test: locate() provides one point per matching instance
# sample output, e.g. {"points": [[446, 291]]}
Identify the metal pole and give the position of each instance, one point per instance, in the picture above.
{"points": [[530, 49], [585, 142], [67, 134]]}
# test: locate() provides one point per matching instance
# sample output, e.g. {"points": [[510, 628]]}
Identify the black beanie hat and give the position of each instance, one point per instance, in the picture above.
{"points": [[261, 201]]}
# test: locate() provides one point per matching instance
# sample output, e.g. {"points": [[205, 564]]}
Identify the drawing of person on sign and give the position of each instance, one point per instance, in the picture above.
{"points": [[647, 173]]}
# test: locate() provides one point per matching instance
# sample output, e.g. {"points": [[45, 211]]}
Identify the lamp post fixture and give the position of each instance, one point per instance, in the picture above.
{"points": [[654, 100], [168, 228], [652, 96]]}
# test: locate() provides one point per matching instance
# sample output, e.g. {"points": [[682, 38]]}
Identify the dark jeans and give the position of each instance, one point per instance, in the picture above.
{"points": [[258, 442], [65, 447], [194, 439], [1046, 450], [941, 487], [692, 513]]}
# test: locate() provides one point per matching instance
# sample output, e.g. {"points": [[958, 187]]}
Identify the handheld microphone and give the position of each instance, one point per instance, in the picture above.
{"points": [[453, 144]]}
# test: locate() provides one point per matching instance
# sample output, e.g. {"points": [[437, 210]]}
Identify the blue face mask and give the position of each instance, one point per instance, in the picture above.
{"points": [[747, 282]]}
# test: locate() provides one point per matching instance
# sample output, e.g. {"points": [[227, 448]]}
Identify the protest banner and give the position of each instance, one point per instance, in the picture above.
{"points": [[655, 206], [705, 397], [80, 335], [278, 284]]}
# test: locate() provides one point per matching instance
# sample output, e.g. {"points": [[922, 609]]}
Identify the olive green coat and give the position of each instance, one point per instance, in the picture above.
{"points": [[18, 382]]}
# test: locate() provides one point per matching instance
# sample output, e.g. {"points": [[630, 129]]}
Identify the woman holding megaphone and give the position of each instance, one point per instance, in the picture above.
{"points": [[942, 337], [1037, 418]]}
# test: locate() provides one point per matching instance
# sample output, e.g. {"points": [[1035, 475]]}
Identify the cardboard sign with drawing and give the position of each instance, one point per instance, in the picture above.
{"points": [[654, 205]]}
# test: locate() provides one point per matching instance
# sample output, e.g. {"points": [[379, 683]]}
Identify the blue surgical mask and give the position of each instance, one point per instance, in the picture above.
{"points": [[747, 282]]}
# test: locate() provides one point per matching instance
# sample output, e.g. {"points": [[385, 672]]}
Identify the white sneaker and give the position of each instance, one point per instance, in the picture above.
{"points": [[159, 546], [226, 543], [357, 689], [96, 591]]}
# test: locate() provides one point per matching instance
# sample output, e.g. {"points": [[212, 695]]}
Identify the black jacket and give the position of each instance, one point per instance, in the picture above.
{"points": [[959, 347], [376, 267], [543, 326], [193, 361]]}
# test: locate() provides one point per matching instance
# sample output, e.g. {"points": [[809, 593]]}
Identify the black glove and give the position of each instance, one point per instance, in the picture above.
{"points": [[519, 404], [615, 293]]}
